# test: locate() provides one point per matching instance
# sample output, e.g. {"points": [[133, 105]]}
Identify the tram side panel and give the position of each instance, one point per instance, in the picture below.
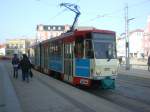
{"points": [[37, 57], [82, 72], [70, 60], [55, 63], [31, 54], [44, 57]]}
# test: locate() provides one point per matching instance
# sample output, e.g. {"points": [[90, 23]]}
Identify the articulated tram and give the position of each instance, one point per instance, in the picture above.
{"points": [[81, 57]]}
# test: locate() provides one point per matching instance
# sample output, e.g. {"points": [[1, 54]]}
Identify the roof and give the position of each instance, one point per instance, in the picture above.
{"points": [[51, 27], [77, 32], [136, 30]]}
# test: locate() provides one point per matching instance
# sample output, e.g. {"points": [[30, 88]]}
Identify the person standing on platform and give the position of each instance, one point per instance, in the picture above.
{"points": [[148, 63], [120, 61], [30, 71], [15, 63], [25, 67]]}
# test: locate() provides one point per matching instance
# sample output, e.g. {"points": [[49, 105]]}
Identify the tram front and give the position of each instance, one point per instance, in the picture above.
{"points": [[104, 63]]}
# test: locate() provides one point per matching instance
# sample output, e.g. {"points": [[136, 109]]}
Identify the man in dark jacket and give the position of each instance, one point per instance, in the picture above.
{"points": [[15, 63], [25, 67]]}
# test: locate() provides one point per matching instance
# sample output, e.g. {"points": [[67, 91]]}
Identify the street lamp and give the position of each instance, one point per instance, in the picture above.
{"points": [[127, 38]]}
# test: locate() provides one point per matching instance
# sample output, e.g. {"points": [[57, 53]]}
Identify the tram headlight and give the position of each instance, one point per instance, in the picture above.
{"points": [[98, 72]]}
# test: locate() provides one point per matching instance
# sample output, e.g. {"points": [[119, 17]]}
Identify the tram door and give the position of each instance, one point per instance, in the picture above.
{"points": [[68, 62]]}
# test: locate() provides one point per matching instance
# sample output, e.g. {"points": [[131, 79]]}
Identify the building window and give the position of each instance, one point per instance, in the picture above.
{"points": [[54, 28], [7, 45], [40, 27], [12, 45], [49, 28], [16, 46], [59, 28], [21, 45]]}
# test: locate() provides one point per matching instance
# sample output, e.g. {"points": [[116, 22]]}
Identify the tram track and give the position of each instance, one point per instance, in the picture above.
{"points": [[133, 83], [137, 81], [125, 102], [125, 96]]}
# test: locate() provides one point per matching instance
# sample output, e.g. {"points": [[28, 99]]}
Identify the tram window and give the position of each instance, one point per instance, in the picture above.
{"points": [[59, 50], [88, 49], [50, 49], [104, 50], [79, 48], [67, 51]]}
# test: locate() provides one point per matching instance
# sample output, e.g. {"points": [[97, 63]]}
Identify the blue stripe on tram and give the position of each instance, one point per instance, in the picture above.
{"points": [[82, 67]]}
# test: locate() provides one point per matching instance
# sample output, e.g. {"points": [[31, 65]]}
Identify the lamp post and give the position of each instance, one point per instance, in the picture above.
{"points": [[127, 38]]}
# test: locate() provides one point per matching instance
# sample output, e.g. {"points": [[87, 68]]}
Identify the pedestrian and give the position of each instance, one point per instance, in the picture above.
{"points": [[15, 63], [25, 67], [30, 71], [120, 60], [148, 63]]}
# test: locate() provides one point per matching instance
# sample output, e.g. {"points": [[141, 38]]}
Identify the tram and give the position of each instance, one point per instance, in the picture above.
{"points": [[81, 57]]}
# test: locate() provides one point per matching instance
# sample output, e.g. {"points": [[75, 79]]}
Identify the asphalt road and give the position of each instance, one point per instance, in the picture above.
{"points": [[131, 92]]}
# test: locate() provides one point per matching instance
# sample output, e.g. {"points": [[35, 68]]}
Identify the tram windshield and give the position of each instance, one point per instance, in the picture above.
{"points": [[104, 46]]}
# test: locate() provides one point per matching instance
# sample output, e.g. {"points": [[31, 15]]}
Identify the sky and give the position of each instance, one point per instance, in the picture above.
{"points": [[19, 18]]}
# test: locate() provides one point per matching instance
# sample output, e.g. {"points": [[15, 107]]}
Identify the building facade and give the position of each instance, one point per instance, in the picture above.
{"points": [[120, 41], [136, 48], [45, 32], [146, 40], [2, 50], [16, 46], [136, 43]]}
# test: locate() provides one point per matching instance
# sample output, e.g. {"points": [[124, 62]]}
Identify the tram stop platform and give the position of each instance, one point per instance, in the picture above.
{"points": [[46, 94]]}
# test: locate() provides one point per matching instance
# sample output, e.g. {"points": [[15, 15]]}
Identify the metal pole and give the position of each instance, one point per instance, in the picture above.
{"points": [[127, 38]]}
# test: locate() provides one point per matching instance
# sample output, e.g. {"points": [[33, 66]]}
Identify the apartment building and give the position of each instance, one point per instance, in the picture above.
{"points": [[146, 40], [135, 44], [45, 32], [16, 46], [2, 50]]}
